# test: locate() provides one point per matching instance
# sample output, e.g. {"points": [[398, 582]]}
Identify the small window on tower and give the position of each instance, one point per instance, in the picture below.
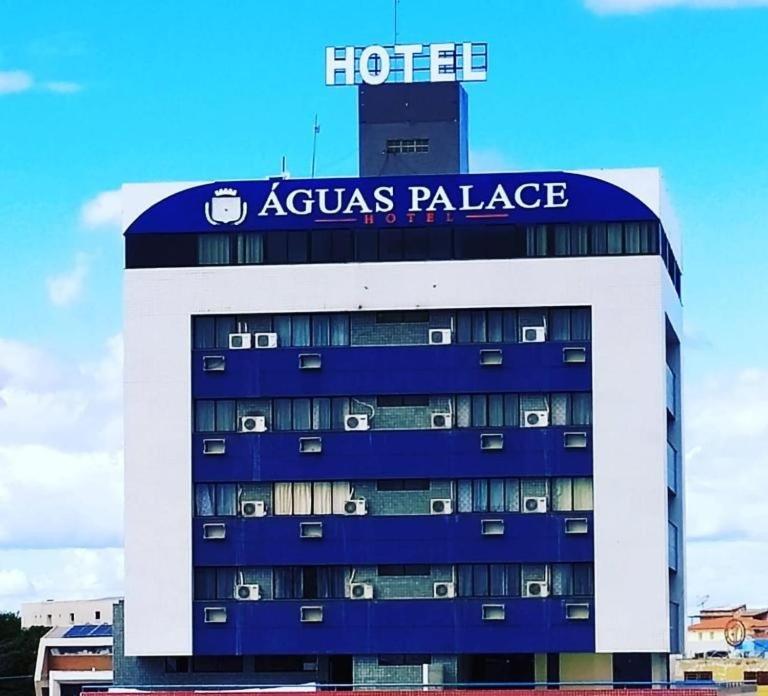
{"points": [[407, 145]]}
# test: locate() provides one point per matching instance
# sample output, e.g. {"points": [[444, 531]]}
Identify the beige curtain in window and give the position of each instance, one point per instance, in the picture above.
{"points": [[302, 498], [582, 494], [341, 493], [323, 497], [283, 499]]}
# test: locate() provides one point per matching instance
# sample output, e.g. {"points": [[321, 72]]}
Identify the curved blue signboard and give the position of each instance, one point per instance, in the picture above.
{"points": [[524, 197]]}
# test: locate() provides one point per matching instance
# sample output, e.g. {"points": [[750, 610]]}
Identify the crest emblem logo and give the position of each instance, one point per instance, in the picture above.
{"points": [[226, 207]]}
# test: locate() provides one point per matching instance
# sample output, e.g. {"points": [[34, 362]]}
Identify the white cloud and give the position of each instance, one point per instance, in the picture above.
{"points": [[15, 81], [69, 407], [71, 573], [64, 289], [13, 582], [638, 6], [12, 81], [55, 499], [61, 496], [103, 210], [727, 473], [61, 457], [63, 87]]}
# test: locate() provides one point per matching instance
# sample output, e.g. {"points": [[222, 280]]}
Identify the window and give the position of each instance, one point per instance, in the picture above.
{"points": [[494, 495], [404, 660], [572, 579], [309, 582], [488, 580], [333, 329], [414, 317], [284, 663], [310, 498], [348, 245], [697, 676], [324, 413], [215, 499], [407, 145], [403, 570], [402, 400], [176, 665], [572, 494], [217, 663], [402, 485]]}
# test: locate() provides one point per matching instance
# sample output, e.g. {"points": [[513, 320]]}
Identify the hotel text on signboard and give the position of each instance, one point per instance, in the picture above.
{"points": [[375, 65]]}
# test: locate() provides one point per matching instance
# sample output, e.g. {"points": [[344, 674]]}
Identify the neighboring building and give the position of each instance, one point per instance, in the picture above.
{"points": [[707, 634], [721, 670], [423, 420], [71, 658], [67, 612]]}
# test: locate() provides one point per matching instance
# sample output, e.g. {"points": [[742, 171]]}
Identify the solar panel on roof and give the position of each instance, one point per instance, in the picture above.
{"points": [[89, 631]]}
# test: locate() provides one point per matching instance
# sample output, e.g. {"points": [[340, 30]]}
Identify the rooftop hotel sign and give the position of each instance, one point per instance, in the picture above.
{"points": [[375, 65], [401, 201]]}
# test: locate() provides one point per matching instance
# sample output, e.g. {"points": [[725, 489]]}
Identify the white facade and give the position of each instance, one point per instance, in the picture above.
{"points": [[630, 297], [67, 612]]}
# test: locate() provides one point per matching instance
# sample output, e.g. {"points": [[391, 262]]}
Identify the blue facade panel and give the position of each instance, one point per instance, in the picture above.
{"points": [[347, 371], [437, 454], [393, 626], [373, 540]]}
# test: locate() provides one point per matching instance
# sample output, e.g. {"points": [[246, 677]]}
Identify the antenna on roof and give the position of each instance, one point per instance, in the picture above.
{"points": [[395, 8], [315, 131]]}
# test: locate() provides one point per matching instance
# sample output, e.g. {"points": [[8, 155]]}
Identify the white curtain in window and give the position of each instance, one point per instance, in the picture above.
{"points": [[302, 498], [283, 499], [323, 497], [562, 494], [582, 494], [341, 493]]}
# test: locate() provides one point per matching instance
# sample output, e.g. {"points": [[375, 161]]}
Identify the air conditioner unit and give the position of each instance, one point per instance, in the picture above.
{"points": [[356, 422], [355, 506], [439, 337], [534, 334], [360, 590], [535, 504], [535, 419], [265, 340], [444, 590], [247, 593], [442, 421], [253, 508], [441, 506], [239, 341], [253, 424], [536, 588]]}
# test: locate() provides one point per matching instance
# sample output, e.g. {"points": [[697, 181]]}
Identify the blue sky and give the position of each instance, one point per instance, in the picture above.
{"points": [[93, 95]]}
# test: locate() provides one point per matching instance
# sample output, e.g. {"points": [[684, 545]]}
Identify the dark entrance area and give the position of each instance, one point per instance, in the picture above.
{"points": [[511, 668], [632, 669], [340, 671]]}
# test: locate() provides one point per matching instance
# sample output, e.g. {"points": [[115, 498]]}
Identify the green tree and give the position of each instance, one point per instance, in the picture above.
{"points": [[18, 652]]}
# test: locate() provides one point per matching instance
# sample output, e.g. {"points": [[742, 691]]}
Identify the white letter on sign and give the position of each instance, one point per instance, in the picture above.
{"points": [[469, 73], [408, 51], [334, 65], [381, 66], [436, 61]]}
